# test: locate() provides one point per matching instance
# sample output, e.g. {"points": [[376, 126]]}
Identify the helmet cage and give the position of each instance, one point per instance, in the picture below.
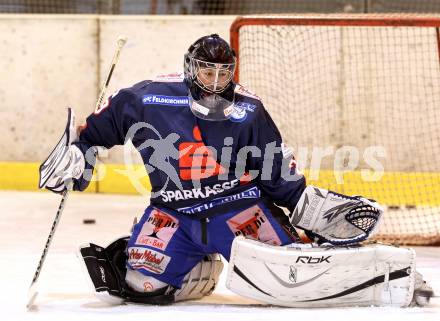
{"points": [[211, 77]]}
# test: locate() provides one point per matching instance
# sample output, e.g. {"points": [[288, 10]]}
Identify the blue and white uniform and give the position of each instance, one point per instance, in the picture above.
{"points": [[198, 203]]}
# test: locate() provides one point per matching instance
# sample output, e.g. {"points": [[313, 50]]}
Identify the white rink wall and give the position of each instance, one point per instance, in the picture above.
{"points": [[49, 62]]}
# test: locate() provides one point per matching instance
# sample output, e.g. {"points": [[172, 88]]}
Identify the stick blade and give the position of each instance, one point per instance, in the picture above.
{"points": [[32, 295]]}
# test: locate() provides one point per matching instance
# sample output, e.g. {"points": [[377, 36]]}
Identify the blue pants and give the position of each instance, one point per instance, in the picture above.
{"points": [[166, 244]]}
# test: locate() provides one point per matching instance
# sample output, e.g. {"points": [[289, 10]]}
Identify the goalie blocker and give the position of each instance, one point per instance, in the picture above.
{"points": [[66, 161], [307, 276]]}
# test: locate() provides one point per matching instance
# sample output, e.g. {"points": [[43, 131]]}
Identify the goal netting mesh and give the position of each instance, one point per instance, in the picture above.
{"points": [[358, 99]]}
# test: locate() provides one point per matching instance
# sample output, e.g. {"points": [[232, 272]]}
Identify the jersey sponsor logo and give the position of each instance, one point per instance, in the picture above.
{"points": [[239, 89], [203, 192], [196, 160], [240, 111], [254, 223], [157, 230], [253, 192], [150, 260], [173, 77], [238, 115], [165, 100], [246, 106]]}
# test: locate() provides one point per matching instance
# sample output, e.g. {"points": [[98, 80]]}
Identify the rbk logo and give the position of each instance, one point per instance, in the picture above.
{"points": [[312, 260], [196, 160]]}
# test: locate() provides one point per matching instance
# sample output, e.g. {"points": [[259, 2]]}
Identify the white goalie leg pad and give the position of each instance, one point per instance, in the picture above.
{"points": [[336, 218], [309, 276]]}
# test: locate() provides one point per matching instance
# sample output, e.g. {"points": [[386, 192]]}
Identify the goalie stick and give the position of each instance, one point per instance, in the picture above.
{"points": [[32, 294]]}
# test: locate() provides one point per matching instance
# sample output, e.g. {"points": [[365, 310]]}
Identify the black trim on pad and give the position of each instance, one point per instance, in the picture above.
{"points": [[398, 274], [241, 274]]}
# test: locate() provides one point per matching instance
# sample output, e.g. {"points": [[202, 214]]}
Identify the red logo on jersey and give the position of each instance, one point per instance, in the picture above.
{"points": [[158, 230], [196, 160], [253, 223]]}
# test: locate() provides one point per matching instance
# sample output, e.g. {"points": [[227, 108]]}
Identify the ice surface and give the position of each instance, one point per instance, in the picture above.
{"points": [[25, 222]]}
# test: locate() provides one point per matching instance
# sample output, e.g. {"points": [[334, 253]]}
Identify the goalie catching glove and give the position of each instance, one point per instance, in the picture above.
{"points": [[327, 216], [65, 162]]}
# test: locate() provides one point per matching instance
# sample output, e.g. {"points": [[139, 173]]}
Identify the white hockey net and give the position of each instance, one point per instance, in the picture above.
{"points": [[358, 98]]}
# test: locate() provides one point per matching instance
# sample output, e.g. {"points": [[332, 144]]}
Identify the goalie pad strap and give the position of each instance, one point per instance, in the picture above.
{"points": [[310, 276]]}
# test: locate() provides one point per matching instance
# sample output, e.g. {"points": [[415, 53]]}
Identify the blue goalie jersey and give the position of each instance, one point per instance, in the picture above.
{"points": [[195, 166]]}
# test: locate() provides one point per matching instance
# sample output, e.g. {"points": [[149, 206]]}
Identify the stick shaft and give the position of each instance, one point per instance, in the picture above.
{"points": [[110, 73], [33, 293]]}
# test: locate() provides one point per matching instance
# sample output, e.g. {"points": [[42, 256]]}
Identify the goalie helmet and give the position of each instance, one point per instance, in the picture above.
{"points": [[209, 67]]}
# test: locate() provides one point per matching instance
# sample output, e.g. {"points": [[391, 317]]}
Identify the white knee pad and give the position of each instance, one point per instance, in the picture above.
{"points": [[143, 283]]}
